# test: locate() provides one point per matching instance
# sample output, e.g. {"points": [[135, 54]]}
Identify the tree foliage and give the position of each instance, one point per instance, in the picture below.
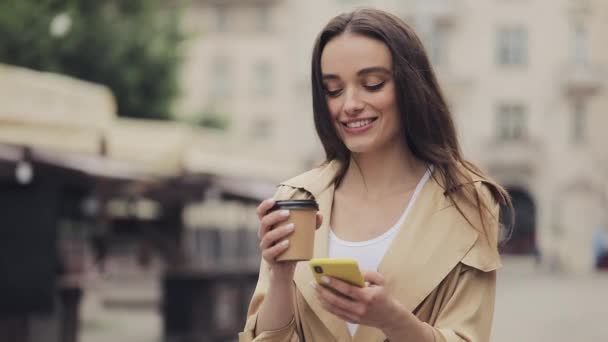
{"points": [[131, 46]]}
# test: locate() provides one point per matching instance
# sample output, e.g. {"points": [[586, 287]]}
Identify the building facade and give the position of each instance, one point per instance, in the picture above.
{"points": [[529, 93]]}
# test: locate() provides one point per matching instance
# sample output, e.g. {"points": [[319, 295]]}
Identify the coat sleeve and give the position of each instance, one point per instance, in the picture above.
{"points": [[285, 334], [467, 315], [289, 332]]}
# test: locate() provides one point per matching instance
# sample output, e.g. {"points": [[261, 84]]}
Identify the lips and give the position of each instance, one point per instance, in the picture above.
{"points": [[359, 125]]}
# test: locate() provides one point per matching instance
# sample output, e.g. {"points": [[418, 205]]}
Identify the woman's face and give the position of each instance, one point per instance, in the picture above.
{"points": [[360, 92]]}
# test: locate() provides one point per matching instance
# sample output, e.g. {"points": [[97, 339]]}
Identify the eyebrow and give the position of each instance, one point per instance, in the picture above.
{"points": [[361, 72]]}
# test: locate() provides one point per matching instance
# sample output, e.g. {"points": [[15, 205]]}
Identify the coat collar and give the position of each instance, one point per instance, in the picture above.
{"points": [[431, 242]]}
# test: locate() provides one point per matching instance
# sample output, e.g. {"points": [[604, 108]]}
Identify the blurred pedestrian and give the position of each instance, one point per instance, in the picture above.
{"points": [[600, 247], [396, 195]]}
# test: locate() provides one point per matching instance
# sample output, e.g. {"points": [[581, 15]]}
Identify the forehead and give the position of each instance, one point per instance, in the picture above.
{"points": [[349, 53]]}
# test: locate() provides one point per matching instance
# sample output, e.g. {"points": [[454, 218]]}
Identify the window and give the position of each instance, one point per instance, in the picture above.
{"points": [[221, 85], [263, 18], [262, 79], [511, 122], [512, 46], [580, 52], [579, 123]]}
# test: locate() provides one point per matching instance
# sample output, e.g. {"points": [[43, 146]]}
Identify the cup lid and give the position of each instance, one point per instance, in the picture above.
{"points": [[295, 204]]}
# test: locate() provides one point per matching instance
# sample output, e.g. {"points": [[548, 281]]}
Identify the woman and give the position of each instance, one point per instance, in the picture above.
{"points": [[396, 194]]}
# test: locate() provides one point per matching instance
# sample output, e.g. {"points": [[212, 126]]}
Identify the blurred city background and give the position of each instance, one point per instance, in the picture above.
{"points": [[137, 137]]}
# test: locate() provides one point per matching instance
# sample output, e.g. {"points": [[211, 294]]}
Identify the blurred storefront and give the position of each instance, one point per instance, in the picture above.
{"points": [[117, 205]]}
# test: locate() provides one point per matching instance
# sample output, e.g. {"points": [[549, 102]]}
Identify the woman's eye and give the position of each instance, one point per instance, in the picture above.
{"points": [[333, 93], [374, 87]]}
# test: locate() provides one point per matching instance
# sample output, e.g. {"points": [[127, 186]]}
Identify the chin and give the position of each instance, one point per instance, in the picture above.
{"points": [[360, 147]]}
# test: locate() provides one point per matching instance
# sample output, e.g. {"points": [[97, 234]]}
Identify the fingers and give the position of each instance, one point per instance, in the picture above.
{"points": [[264, 207], [344, 288], [275, 235], [270, 220], [343, 314], [261, 212], [319, 219], [338, 304], [268, 236], [373, 278], [271, 253]]}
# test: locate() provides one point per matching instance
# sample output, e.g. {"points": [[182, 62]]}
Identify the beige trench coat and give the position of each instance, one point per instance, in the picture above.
{"points": [[438, 266]]}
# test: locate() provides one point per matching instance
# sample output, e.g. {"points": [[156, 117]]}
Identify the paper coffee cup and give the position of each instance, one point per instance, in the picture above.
{"points": [[303, 214]]}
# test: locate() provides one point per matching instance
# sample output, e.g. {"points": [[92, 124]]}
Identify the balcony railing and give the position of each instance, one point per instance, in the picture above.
{"points": [[582, 79], [451, 82], [520, 155]]}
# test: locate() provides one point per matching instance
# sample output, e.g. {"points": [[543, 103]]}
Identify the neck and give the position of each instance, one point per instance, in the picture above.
{"points": [[383, 172]]}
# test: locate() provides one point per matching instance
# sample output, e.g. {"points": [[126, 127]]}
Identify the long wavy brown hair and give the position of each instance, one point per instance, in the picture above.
{"points": [[426, 120]]}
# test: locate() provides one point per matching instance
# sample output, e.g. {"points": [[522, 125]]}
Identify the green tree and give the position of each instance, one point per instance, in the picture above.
{"points": [[131, 46], [211, 118]]}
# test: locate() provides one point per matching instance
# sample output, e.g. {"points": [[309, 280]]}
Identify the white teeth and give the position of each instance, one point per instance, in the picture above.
{"points": [[361, 123]]}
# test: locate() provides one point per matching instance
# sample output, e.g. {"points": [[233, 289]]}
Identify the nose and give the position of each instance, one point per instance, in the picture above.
{"points": [[352, 103]]}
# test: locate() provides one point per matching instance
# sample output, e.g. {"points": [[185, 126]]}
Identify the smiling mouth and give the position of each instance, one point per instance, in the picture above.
{"points": [[359, 123]]}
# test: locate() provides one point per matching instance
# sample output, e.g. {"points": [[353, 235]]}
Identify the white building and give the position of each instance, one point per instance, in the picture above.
{"points": [[526, 80]]}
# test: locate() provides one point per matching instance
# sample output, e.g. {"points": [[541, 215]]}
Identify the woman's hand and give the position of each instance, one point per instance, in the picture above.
{"points": [[373, 306], [273, 235], [277, 309], [370, 305]]}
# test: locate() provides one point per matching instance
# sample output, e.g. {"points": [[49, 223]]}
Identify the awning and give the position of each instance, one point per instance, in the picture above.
{"points": [[156, 145], [87, 165]]}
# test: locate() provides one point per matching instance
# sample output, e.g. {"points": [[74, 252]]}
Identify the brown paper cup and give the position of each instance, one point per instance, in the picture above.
{"points": [[301, 241]]}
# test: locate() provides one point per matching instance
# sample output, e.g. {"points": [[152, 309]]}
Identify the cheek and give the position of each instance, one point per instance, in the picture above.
{"points": [[385, 101], [334, 108]]}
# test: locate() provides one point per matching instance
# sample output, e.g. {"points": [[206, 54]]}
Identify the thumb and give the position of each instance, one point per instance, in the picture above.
{"points": [[374, 278]]}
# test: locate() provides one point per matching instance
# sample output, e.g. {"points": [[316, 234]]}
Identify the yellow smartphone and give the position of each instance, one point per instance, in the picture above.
{"points": [[343, 269]]}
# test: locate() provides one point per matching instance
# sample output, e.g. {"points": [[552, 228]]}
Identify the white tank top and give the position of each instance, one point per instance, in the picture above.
{"points": [[369, 253]]}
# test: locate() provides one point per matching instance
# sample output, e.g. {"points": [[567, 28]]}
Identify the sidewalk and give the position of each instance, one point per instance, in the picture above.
{"points": [[535, 305]]}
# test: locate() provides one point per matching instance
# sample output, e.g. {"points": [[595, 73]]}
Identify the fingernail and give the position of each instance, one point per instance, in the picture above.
{"points": [[325, 279], [285, 213], [313, 285], [289, 227], [285, 242]]}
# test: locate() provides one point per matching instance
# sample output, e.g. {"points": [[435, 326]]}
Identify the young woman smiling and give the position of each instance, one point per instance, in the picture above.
{"points": [[397, 195]]}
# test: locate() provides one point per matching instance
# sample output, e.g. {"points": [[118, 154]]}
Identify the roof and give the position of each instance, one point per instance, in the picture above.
{"points": [[42, 98]]}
